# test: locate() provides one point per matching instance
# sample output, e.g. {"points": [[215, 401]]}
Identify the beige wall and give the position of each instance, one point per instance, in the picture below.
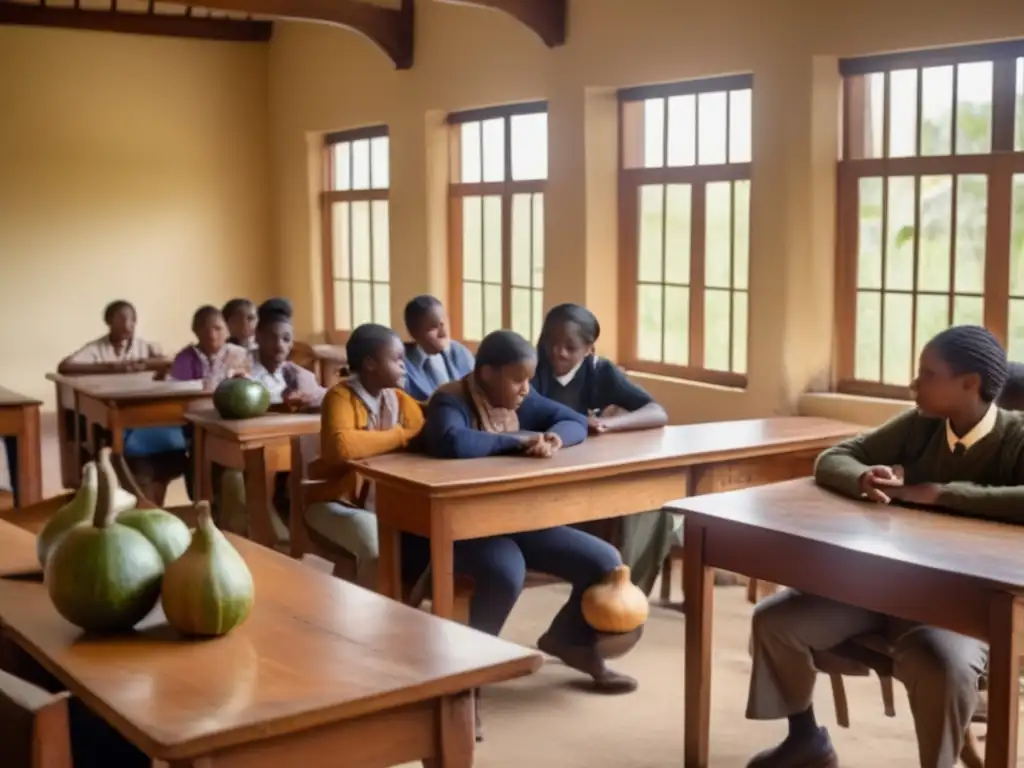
{"points": [[132, 167], [323, 78]]}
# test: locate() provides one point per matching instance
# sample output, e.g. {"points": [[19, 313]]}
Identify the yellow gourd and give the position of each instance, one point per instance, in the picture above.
{"points": [[615, 604]]}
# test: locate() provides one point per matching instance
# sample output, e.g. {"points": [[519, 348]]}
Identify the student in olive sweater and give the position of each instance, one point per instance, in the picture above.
{"points": [[961, 454]]}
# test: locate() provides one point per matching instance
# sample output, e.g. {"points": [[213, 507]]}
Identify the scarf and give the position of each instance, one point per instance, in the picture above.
{"points": [[482, 415], [381, 415]]}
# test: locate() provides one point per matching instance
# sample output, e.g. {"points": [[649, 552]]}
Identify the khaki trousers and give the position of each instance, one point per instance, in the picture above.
{"points": [[939, 668]]}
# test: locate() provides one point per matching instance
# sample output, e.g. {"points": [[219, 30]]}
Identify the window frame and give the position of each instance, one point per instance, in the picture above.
{"points": [[998, 166], [506, 190], [630, 181], [328, 198]]}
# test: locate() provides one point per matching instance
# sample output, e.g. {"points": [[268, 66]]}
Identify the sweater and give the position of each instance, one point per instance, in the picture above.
{"points": [[420, 380], [986, 480], [597, 384], [449, 434]]}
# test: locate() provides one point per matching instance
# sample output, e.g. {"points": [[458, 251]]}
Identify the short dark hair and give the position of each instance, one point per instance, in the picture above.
{"points": [[275, 310], [116, 306], [365, 342], [201, 315], [501, 348], [232, 307], [586, 320], [973, 349], [1013, 388], [418, 308]]}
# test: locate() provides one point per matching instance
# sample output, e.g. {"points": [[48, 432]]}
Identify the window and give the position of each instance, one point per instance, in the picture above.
{"points": [[354, 210], [684, 193], [931, 208], [499, 168]]}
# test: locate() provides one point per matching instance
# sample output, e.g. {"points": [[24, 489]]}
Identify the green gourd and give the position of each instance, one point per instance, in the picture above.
{"points": [[241, 398], [165, 531]]}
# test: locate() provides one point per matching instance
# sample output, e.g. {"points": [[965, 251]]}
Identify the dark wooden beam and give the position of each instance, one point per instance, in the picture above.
{"points": [[135, 23], [390, 29], [548, 18]]}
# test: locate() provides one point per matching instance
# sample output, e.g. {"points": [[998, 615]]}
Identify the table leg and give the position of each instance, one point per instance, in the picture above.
{"points": [[455, 733], [389, 568], [442, 565], [258, 496], [1005, 611], [116, 433], [30, 460], [201, 466], [698, 583]]}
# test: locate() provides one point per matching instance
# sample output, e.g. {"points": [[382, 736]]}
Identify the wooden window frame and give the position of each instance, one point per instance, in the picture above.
{"points": [[999, 168], [630, 181], [328, 198], [506, 190]]}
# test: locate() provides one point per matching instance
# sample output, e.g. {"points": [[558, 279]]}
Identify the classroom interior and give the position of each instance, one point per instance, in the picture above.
{"points": [[178, 172]]}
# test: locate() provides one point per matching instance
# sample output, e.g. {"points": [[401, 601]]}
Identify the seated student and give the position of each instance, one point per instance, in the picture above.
{"points": [[212, 358], [1012, 396], [240, 315], [366, 415], [960, 453], [431, 358], [569, 372], [493, 412]]}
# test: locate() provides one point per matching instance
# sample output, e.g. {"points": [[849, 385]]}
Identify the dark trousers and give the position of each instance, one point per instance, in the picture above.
{"points": [[11, 448], [498, 568]]}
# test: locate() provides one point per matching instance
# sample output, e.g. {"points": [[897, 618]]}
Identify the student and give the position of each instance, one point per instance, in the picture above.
{"points": [[366, 415], [570, 372], [120, 350], [212, 358], [431, 358], [240, 315], [1012, 396], [493, 412], [961, 454]]}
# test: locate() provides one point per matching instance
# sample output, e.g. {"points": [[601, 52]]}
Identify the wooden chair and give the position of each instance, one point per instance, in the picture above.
{"points": [[36, 727], [327, 362]]}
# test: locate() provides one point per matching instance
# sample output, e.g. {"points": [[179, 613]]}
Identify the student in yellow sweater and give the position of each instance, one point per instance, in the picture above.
{"points": [[366, 415]]}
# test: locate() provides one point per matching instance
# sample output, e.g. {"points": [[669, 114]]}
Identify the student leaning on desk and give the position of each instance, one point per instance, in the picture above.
{"points": [[961, 453]]}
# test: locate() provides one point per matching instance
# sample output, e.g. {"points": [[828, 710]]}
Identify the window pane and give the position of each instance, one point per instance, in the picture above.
{"points": [[897, 359], [654, 133], [899, 252], [339, 240], [361, 164], [677, 325], [740, 126], [968, 310], [712, 131], [362, 307], [492, 308], [932, 317], [494, 149], [1015, 338], [538, 314], [538, 240], [380, 168], [717, 330], [342, 306], [472, 312], [974, 108], [678, 205], [971, 233], [522, 313], [867, 364], [469, 146], [682, 130], [1017, 238], [937, 111], [903, 113], [652, 223], [1019, 143], [530, 146], [472, 239], [741, 234], [361, 240], [649, 329], [381, 240], [718, 237], [739, 331], [342, 167], [492, 239], [522, 241], [869, 238], [382, 303], [936, 219]]}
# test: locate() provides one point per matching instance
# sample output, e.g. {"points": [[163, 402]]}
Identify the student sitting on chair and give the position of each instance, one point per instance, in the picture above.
{"points": [[212, 358], [240, 315], [960, 453], [431, 358]]}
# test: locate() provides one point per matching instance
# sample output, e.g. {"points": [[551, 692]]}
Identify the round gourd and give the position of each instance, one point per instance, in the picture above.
{"points": [[208, 591], [241, 399], [615, 604], [103, 576], [165, 531]]}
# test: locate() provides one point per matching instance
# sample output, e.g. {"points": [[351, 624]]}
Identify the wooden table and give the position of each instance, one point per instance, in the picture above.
{"points": [[608, 476], [957, 573], [19, 417], [259, 447], [323, 673], [17, 551]]}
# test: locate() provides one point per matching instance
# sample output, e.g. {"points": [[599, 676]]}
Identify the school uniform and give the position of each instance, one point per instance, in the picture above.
{"points": [[425, 373], [983, 476]]}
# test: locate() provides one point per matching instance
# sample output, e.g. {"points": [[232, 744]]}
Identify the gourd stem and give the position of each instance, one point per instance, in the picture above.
{"points": [[105, 487], [204, 519]]}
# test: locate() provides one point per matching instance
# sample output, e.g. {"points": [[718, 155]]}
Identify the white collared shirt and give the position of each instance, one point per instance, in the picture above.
{"points": [[564, 380], [275, 382], [979, 431]]}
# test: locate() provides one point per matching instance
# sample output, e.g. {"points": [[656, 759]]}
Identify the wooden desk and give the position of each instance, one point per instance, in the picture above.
{"points": [[960, 574], [321, 669], [17, 550], [607, 476], [259, 447], [19, 417]]}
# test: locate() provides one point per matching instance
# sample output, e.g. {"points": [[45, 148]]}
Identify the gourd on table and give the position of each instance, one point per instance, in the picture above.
{"points": [[241, 398], [615, 604], [165, 531]]}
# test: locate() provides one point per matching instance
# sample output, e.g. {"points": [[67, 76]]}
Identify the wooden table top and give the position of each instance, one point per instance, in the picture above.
{"points": [[315, 650], [10, 397], [982, 549], [17, 550], [618, 453], [269, 425], [129, 386]]}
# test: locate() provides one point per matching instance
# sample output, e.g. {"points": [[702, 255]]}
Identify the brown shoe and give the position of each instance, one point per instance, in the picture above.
{"points": [[799, 752], [588, 660]]}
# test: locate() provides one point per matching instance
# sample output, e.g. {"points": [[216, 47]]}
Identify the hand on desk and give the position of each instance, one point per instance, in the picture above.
{"points": [[882, 485], [542, 446], [922, 494]]}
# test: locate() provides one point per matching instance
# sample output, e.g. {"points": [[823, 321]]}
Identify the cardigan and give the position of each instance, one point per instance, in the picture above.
{"points": [[420, 381]]}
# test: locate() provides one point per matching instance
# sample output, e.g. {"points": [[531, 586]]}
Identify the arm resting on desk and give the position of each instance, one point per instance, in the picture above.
{"points": [[840, 468], [448, 434], [343, 433], [539, 414]]}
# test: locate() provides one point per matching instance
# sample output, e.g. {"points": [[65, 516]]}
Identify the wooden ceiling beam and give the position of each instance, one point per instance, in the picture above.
{"points": [[390, 29], [548, 18], [135, 23]]}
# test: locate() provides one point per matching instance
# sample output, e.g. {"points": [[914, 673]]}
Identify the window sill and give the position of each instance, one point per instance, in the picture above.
{"points": [[660, 378]]}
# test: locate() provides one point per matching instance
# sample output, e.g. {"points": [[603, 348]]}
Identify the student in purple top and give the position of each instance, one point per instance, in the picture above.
{"points": [[212, 358]]}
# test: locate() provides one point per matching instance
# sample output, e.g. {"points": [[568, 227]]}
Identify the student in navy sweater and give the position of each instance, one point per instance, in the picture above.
{"points": [[431, 358], [493, 412]]}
